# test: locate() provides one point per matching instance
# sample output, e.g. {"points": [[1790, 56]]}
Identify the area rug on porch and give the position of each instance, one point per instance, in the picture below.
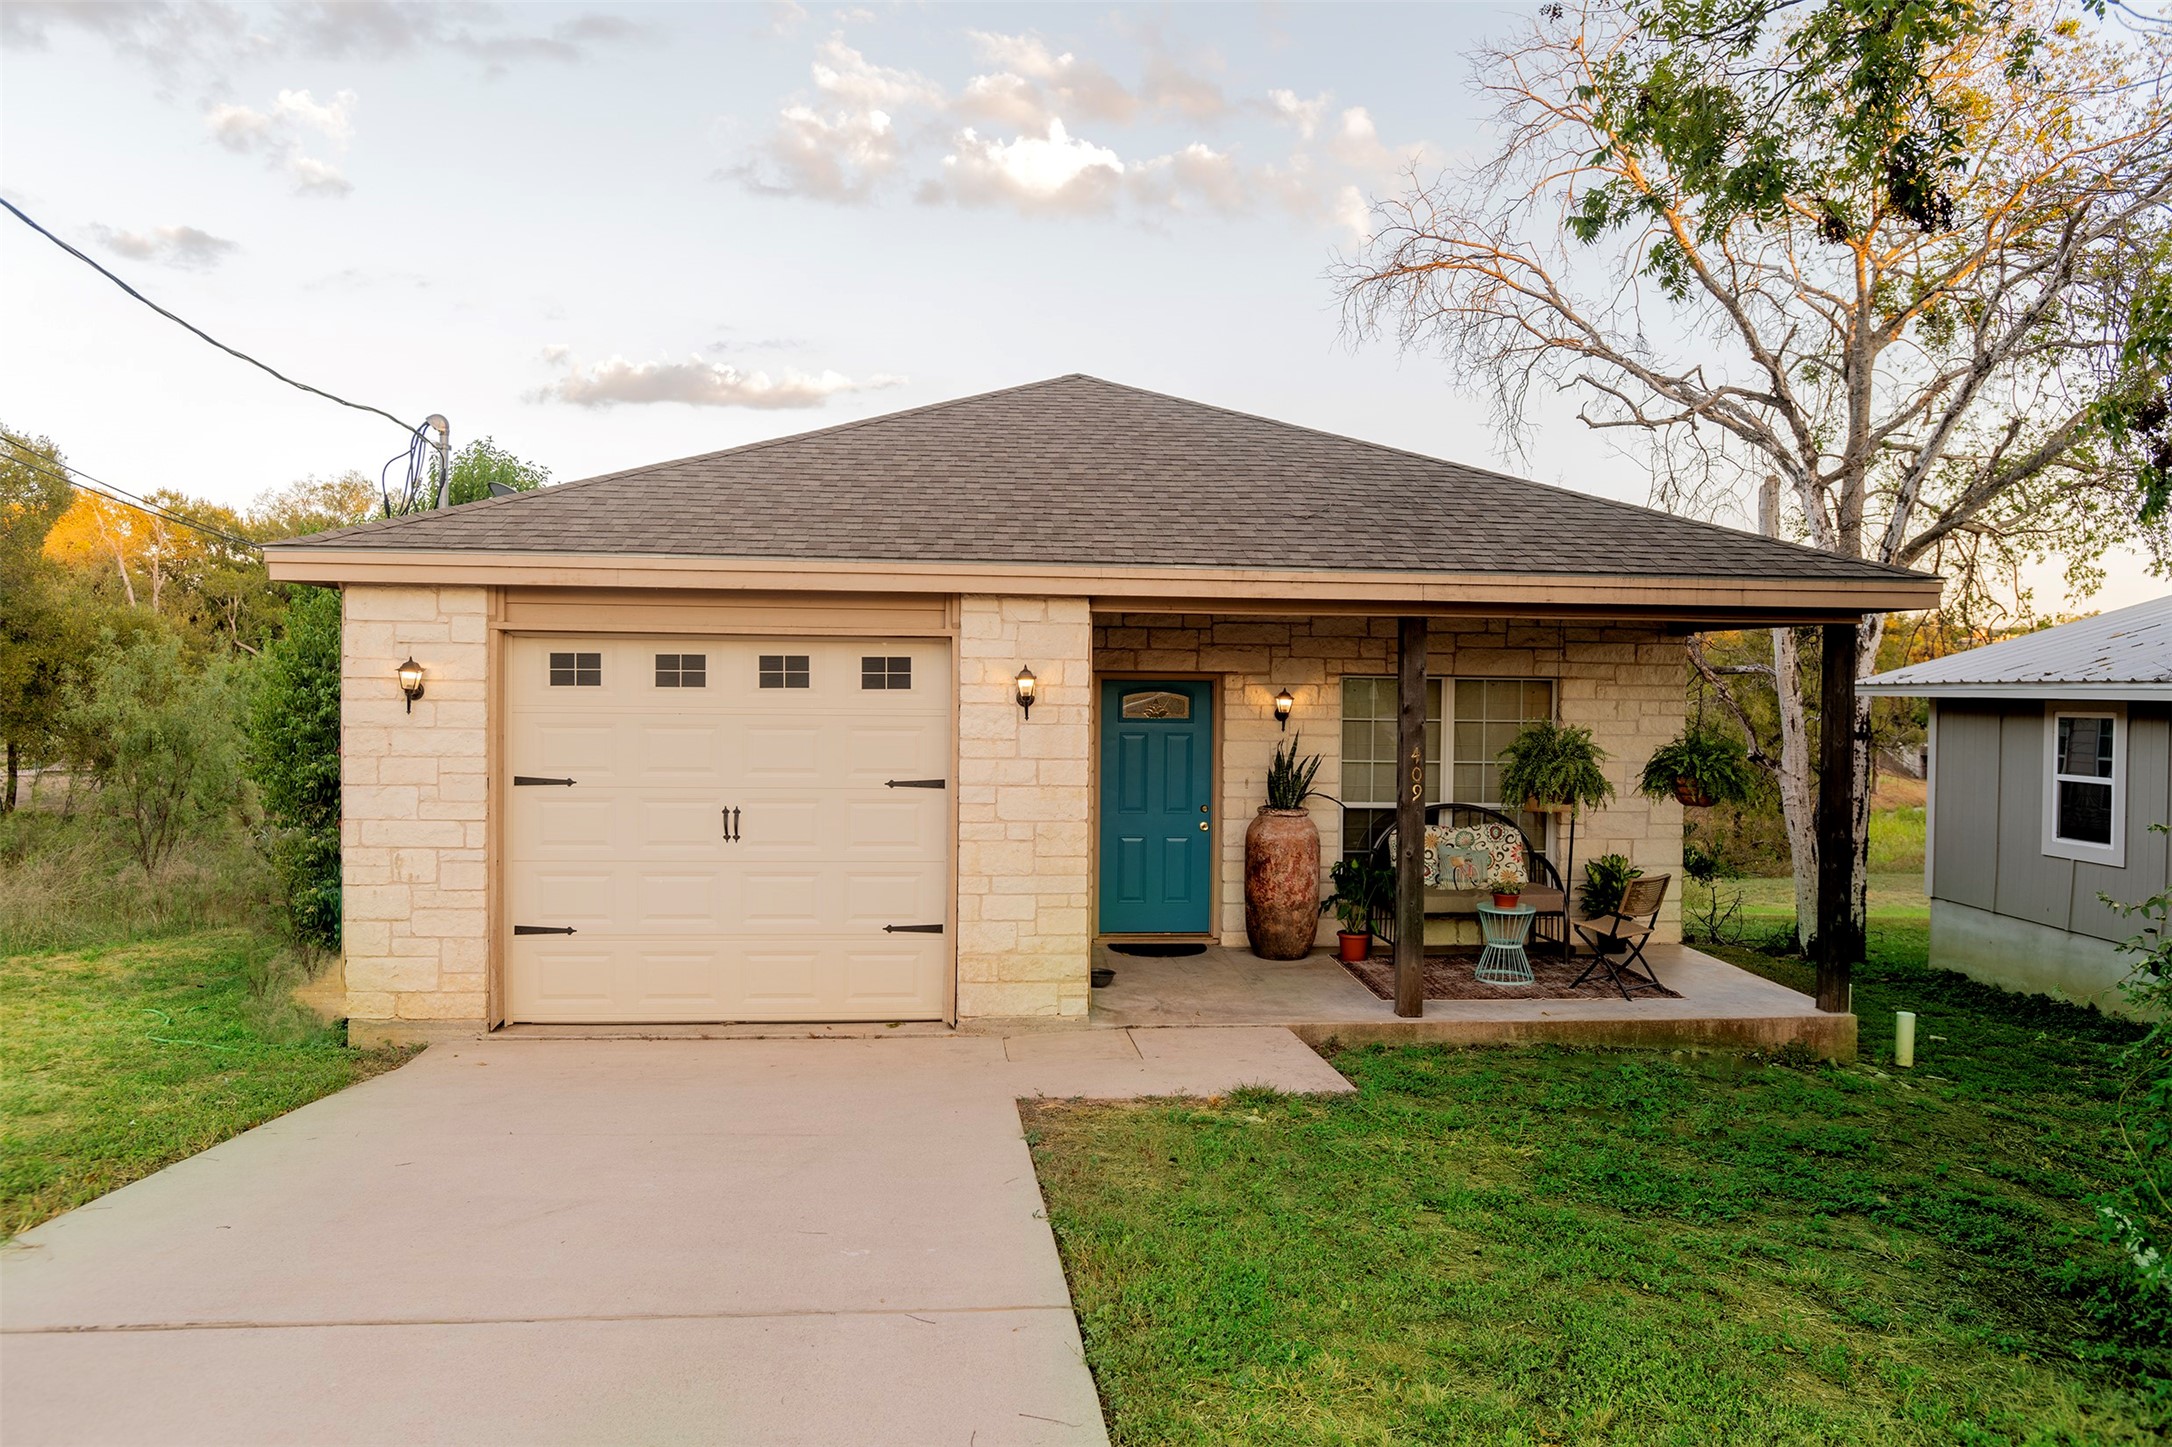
{"points": [[1448, 977]]}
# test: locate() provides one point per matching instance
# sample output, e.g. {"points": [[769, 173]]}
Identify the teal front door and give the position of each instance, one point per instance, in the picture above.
{"points": [[1157, 824]]}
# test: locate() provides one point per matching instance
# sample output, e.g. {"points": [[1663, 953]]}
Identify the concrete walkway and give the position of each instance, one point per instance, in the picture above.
{"points": [[546, 1241]]}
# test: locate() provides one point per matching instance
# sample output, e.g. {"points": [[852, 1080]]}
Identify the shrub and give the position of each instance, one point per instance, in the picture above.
{"points": [[161, 741], [294, 758]]}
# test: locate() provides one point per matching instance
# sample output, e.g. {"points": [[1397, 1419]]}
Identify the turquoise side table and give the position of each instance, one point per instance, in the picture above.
{"points": [[1503, 961]]}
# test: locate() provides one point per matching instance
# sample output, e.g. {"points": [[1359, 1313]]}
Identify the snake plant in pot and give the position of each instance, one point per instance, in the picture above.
{"points": [[1282, 861], [1558, 769]]}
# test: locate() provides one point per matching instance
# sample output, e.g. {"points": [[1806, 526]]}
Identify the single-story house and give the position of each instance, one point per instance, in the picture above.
{"points": [[2050, 758], [895, 719]]}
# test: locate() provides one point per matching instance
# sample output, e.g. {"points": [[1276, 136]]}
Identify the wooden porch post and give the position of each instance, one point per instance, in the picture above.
{"points": [[1839, 942], [1410, 818]]}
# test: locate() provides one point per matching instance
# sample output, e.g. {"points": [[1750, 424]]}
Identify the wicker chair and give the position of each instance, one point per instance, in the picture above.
{"points": [[1544, 892]]}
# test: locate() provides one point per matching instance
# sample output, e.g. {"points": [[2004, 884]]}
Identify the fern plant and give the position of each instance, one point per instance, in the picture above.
{"points": [[1701, 766], [1289, 778], [1555, 766]]}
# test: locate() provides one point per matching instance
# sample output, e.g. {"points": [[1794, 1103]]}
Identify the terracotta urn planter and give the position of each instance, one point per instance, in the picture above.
{"points": [[1354, 949], [1281, 883]]}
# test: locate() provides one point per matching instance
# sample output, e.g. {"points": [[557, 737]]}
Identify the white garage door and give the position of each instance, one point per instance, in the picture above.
{"points": [[709, 829]]}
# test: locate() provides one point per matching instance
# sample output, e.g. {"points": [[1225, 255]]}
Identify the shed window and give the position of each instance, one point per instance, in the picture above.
{"points": [[576, 670], [2082, 803], [784, 670], [682, 670]]}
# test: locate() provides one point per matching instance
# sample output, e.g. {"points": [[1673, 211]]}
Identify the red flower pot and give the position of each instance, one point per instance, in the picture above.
{"points": [[1505, 901], [1356, 949]]}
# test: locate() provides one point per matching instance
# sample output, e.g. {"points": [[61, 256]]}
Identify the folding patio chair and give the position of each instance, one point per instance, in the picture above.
{"points": [[1624, 932]]}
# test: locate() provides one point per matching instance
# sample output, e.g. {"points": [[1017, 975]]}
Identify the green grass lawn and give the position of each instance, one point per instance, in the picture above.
{"points": [[118, 1060], [1553, 1246]]}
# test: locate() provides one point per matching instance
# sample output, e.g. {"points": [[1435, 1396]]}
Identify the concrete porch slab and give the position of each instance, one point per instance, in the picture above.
{"points": [[1720, 1007]]}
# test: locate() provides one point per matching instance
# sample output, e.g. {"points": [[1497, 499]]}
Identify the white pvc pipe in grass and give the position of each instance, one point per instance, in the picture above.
{"points": [[1904, 1037]]}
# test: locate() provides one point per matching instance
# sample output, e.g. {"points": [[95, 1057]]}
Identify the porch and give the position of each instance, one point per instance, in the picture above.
{"points": [[1718, 1007]]}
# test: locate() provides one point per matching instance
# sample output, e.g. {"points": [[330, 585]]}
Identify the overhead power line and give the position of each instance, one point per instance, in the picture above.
{"points": [[25, 218], [59, 472]]}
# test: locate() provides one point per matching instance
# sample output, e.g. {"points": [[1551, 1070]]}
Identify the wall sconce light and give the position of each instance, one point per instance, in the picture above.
{"points": [[1026, 683], [411, 681], [1283, 704]]}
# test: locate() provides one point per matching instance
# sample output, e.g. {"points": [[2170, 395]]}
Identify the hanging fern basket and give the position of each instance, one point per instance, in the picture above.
{"points": [[1692, 793]]}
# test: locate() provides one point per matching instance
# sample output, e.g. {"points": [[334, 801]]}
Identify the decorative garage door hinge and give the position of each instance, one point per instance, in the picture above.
{"points": [[912, 929], [915, 783], [543, 929], [520, 780]]}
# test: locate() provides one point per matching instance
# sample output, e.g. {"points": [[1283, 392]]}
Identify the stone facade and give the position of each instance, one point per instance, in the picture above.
{"points": [[1624, 682], [415, 830], [413, 826], [1024, 869]]}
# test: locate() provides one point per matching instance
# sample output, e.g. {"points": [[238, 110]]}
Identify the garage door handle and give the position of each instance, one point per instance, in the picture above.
{"points": [[520, 780], [731, 826], [543, 929], [912, 929], [916, 783]]}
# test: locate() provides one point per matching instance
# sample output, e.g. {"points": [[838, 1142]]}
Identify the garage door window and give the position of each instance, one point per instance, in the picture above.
{"points": [[682, 670], [784, 670], [576, 670], [886, 673]]}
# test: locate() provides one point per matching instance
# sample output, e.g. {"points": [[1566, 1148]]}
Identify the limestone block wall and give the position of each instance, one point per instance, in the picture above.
{"points": [[1024, 869], [1623, 681], [413, 827]]}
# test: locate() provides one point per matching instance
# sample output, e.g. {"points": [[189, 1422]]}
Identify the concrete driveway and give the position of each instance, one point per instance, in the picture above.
{"points": [[546, 1241]]}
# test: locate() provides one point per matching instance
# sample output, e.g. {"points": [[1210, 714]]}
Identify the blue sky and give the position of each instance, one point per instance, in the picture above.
{"points": [[609, 235]]}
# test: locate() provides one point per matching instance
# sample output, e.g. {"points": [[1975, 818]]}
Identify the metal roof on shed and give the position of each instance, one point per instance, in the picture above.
{"points": [[2126, 653]]}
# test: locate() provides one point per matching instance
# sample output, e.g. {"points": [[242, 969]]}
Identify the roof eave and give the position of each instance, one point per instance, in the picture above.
{"points": [[2036, 688], [1138, 588]]}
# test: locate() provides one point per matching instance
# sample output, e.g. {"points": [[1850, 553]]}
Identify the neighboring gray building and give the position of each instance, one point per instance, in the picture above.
{"points": [[2050, 758]]}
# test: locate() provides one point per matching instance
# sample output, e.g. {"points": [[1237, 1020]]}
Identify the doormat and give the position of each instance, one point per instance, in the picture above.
{"points": [[1449, 977], [1155, 950]]}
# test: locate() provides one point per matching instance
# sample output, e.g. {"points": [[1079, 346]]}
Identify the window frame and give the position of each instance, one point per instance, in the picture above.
{"points": [[575, 667], [2083, 851], [1442, 769]]}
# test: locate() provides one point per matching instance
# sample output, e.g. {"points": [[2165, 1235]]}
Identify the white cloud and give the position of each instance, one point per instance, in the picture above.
{"points": [[1051, 172], [1057, 82], [1302, 114], [847, 76], [1196, 177], [182, 247], [696, 383], [281, 135], [205, 41]]}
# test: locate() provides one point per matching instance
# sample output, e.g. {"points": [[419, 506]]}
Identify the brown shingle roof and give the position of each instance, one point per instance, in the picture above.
{"points": [[1080, 471]]}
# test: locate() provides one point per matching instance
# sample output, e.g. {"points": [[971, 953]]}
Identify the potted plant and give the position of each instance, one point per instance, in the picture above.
{"points": [[1363, 888], [1558, 769], [1506, 881], [1282, 861], [1606, 880], [1701, 766]]}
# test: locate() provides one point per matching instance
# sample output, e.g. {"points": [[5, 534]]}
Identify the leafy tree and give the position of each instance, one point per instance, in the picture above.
{"points": [[161, 740], [313, 505], [482, 462], [1889, 277], [294, 758], [42, 644]]}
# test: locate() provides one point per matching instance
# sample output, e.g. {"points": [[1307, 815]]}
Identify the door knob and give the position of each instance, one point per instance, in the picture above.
{"points": [[1202, 826]]}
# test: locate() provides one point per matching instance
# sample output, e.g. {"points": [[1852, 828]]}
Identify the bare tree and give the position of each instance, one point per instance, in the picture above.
{"points": [[1921, 325]]}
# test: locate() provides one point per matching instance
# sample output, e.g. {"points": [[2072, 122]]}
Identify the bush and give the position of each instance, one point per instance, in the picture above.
{"points": [[294, 758], [161, 741]]}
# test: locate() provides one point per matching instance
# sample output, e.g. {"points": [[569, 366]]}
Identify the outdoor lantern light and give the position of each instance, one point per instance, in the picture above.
{"points": [[1026, 681], [411, 681], [1283, 704]]}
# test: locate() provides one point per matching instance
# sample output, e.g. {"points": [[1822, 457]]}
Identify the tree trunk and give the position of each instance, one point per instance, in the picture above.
{"points": [[1798, 794], [1839, 942]]}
